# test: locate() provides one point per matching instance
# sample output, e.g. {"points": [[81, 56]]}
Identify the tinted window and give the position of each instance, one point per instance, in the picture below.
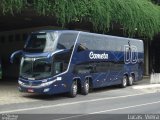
{"points": [[84, 68], [66, 40], [94, 42], [102, 67], [40, 42], [117, 66], [36, 42], [37, 69], [102, 42]]}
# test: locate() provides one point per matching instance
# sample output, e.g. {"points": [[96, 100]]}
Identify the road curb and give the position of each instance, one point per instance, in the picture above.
{"points": [[150, 86]]}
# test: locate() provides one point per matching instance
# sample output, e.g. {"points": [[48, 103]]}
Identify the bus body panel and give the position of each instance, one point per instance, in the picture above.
{"points": [[103, 59]]}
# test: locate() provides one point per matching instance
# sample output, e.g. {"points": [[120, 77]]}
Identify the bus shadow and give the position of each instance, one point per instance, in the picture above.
{"points": [[65, 95], [105, 89], [45, 97]]}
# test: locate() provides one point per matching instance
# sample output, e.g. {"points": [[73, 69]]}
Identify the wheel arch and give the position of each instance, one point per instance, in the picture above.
{"points": [[79, 84], [133, 74], [126, 74]]}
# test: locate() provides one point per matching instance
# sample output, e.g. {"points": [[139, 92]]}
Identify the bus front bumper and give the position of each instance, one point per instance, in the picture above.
{"points": [[44, 88]]}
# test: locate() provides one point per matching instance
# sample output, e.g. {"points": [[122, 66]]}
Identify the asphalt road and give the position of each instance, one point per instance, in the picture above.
{"points": [[110, 103]]}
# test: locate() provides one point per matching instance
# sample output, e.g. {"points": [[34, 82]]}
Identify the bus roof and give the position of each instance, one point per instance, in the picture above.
{"points": [[75, 31]]}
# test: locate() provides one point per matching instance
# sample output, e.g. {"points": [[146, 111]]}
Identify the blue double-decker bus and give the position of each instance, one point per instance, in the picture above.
{"points": [[73, 62]]}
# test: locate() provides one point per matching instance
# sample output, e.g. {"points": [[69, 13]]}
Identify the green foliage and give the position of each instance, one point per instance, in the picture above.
{"points": [[139, 14], [11, 6], [65, 10], [136, 16]]}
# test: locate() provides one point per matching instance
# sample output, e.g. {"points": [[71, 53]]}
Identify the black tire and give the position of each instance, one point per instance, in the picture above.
{"points": [[73, 89], [130, 80], [85, 88], [124, 81]]}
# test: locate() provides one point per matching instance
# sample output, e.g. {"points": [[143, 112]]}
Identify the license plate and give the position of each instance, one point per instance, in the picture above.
{"points": [[30, 90]]}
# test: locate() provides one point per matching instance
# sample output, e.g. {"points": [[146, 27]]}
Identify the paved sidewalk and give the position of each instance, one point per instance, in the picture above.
{"points": [[145, 85], [9, 94], [145, 81]]}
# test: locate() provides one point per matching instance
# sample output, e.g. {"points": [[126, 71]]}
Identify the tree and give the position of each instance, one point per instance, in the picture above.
{"points": [[142, 15]]}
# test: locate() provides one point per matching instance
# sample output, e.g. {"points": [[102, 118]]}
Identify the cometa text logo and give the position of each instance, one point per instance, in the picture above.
{"points": [[93, 55]]}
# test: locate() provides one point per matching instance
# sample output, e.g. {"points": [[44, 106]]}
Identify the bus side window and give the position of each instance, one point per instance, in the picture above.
{"points": [[58, 67]]}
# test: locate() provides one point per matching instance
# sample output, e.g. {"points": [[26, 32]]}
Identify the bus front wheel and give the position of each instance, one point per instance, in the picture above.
{"points": [[85, 88], [73, 89]]}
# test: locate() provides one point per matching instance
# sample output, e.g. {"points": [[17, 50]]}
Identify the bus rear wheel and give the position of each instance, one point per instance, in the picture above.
{"points": [[85, 89], [73, 90], [130, 80], [124, 81]]}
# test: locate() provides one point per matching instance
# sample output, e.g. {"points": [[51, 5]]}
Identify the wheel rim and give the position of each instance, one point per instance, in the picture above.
{"points": [[130, 80], [87, 86], [124, 81], [74, 89]]}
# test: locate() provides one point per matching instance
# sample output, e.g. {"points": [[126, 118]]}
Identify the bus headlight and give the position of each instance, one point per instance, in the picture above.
{"points": [[47, 83], [46, 90], [38, 85], [20, 83], [59, 78]]}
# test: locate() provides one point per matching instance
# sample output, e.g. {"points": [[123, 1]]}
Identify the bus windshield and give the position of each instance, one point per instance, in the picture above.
{"points": [[40, 42], [50, 42], [35, 68], [66, 41]]}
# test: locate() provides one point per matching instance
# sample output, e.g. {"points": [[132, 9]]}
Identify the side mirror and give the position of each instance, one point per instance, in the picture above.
{"points": [[16, 54]]}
